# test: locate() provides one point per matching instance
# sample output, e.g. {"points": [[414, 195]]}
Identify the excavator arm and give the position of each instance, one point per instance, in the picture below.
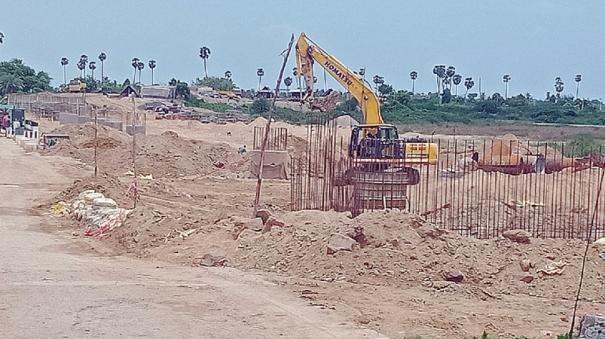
{"points": [[308, 52]]}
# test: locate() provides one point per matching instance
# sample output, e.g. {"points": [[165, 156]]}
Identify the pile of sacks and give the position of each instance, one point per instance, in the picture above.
{"points": [[99, 213]]}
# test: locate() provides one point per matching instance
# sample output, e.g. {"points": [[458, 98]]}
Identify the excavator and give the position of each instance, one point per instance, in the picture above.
{"points": [[375, 146]]}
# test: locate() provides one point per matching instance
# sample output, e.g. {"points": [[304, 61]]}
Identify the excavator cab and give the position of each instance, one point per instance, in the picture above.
{"points": [[378, 147], [375, 142]]}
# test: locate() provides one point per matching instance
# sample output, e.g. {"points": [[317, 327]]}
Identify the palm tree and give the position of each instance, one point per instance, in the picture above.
{"points": [[413, 76], [440, 72], [288, 83], [559, 86], [10, 83], [64, 62], [362, 72], [205, 54], [451, 71], [228, 75], [102, 58], [506, 78], [82, 67], [578, 79], [260, 72], [457, 79], [135, 64], [140, 67], [92, 65], [468, 83], [378, 80], [152, 65], [84, 61]]}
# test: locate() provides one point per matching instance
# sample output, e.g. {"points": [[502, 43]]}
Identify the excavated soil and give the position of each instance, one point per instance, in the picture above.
{"points": [[402, 275]]}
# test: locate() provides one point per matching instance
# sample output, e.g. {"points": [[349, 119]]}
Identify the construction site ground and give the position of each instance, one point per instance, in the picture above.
{"points": [[403, 278]]}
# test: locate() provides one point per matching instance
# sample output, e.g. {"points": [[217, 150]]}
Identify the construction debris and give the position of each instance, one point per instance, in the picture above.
{"points": [[518, 236], [339, 242], [98, 213]]}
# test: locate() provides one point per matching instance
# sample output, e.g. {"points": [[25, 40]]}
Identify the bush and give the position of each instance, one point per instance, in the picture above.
{"points": [[260, 106], [217, 84], [213, 106], [581, 145]]}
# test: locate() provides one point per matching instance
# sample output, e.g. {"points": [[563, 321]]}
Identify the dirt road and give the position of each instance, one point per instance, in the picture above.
{"points": [[53, 289]]}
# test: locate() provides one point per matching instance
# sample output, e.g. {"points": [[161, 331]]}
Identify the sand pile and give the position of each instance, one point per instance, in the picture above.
{"points": [[402, 249], [165, 155], [345, 121]]}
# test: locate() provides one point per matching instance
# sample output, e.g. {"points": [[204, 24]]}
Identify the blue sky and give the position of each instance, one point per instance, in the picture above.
{"points": [[532, 40]]}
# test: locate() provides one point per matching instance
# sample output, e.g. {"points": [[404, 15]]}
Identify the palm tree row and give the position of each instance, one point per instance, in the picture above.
{"points": [[83, 63]]}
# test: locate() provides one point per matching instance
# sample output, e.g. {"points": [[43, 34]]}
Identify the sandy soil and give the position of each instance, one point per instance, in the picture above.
{"points": [[65, 286], [396, 281]]}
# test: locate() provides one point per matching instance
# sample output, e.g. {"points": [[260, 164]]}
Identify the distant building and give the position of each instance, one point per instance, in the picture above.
{"points": [[128, 90], [158, 92]]}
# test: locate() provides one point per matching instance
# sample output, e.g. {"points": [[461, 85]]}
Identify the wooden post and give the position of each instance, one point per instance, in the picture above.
{"points": [[135, 191], [96, 141], [268, 126]]}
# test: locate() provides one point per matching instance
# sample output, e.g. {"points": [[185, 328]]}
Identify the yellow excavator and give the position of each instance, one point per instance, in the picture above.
{"points": [[374, 145]]}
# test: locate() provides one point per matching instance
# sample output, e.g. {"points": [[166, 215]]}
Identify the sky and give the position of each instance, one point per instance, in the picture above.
{"points": [[532, 40]]}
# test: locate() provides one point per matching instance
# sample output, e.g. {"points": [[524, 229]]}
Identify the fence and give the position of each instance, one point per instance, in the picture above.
{"points": [[71, 108], [478, 188]]}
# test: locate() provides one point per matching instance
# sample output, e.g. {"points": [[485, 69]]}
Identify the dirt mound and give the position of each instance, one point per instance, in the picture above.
{"points": [[110, 186], [165, 155], [258, 122], [394, 248], [345, 121]]}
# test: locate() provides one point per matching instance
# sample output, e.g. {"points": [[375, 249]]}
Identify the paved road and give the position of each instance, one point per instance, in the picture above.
{"points": [[49, 291]]}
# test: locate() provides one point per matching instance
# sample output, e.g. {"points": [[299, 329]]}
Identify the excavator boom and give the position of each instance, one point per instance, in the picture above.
{"points": [[307, 52]]}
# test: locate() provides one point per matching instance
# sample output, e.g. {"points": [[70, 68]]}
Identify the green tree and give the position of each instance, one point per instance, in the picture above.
{"points": [[385, 90], [205, 55], [10, 83], [446, 97], [260, 106], [378, 80], [228, 75], [15, 76], [217, 84]]}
